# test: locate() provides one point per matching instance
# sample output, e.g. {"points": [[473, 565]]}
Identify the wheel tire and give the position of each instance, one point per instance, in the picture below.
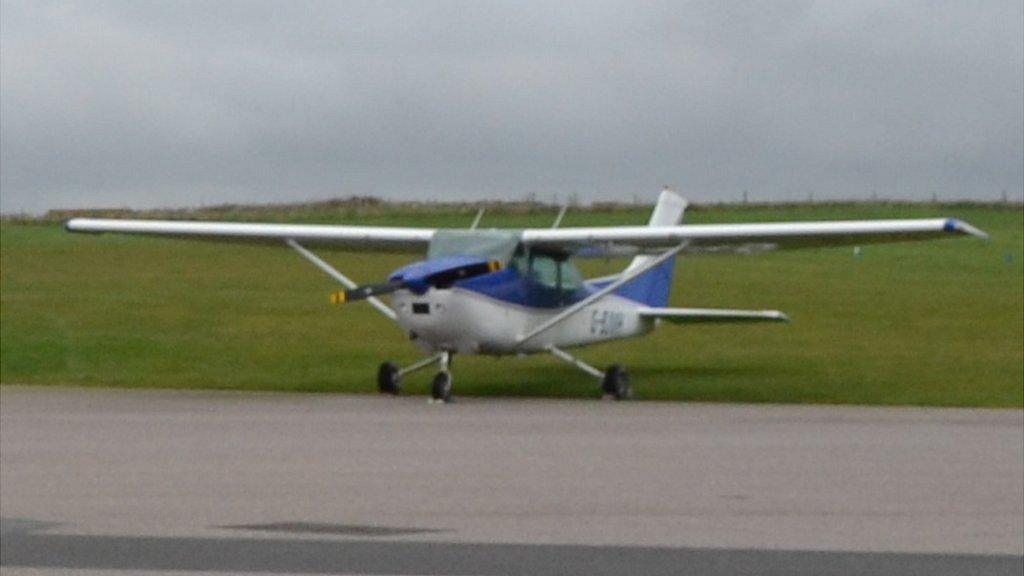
{"points": [[441, 387], [387, 379], [616, 383]]}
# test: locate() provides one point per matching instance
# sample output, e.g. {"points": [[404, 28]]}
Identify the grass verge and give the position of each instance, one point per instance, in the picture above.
{"points": [[934, 323]]}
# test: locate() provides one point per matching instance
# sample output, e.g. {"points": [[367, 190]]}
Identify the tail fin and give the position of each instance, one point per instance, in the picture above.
{"points": [[652, 287]]}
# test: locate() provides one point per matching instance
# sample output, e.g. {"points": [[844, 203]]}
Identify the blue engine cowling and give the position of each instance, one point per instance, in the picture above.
{"points": [[441, 272]]}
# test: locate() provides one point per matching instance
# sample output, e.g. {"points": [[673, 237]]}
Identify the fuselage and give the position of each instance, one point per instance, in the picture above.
{"points": [[488, 314], [485, 292]]}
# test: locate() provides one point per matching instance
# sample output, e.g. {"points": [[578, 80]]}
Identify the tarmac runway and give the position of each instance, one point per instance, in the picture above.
{"points": [[121, 482]]}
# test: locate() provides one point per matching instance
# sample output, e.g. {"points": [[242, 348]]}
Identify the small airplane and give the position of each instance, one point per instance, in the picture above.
{"points": [[504, 292]]}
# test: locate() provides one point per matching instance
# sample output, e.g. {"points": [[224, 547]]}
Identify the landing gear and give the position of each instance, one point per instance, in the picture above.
{"points": [[389, 376], [387, 379], [441, 387], [616, 383]]}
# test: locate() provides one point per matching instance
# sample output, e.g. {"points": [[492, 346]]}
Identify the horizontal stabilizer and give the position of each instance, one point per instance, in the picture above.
{"points": [[708, 315]]}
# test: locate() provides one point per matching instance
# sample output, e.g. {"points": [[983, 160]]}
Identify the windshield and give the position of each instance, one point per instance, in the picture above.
{"points": [[491, 244]]}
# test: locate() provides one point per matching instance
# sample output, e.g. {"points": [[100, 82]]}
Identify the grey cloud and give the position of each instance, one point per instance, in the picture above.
{"points": [[180, 103]]}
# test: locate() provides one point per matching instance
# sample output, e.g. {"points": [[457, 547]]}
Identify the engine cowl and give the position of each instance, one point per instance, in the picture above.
{"points": [[442, 272]]}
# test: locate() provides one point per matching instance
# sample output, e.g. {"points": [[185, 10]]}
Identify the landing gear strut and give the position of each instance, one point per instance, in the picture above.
{"points": [[614, 381], [389, 377]]}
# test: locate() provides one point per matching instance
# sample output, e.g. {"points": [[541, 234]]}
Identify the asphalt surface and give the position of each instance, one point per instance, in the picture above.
{"points": [[119, 481]]}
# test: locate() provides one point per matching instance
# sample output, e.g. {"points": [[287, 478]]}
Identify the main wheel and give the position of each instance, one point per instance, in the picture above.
{"points": [[387, 379], [441, 387], [616, 383]]}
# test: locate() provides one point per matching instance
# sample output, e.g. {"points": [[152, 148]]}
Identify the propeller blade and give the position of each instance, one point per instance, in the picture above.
{"points": [[365, 291]]}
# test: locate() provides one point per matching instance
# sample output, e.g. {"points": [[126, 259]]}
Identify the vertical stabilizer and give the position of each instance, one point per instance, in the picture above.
{"points": [[652, 287], [669, 209]]}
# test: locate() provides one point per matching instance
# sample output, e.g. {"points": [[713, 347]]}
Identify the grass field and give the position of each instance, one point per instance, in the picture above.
{"points": [[933, 323]]}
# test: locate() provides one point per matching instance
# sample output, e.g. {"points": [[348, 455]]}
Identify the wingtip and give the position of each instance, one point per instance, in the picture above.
{"points": [[79, 225], [959, 226]]}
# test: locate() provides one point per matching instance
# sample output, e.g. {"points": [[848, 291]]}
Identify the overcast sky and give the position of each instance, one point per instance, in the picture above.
{"points": [[184, 103]]}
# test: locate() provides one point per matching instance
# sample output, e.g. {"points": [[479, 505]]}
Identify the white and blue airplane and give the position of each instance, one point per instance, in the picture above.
{"points": [[504, 292]]}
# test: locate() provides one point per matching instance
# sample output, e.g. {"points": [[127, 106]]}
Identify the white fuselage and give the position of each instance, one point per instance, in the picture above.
{"points": [[464, 321]]}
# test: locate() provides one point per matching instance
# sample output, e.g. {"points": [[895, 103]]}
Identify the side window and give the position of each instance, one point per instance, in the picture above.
{"points": [[544, 270], [549, 271], [571, 279], [520, 262]]}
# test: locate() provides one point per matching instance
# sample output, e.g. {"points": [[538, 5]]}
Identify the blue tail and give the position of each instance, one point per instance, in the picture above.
{"points": [[652, 287]]}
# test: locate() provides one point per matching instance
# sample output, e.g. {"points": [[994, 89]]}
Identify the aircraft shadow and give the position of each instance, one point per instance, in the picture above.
{"points": [[28, 546]]}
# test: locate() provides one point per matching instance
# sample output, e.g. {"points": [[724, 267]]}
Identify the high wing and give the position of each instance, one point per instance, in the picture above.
{"points": [[697, 238], [707, 315], [392, 239], [700, 238]]}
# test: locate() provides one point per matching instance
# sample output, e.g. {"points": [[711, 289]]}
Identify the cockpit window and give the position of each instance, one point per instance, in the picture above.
{"points": [[544, 270], [571, 278], [554, 272], [491, 244]]}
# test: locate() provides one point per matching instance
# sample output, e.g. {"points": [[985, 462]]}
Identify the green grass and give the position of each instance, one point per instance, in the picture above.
{"points": [[933, 323]]}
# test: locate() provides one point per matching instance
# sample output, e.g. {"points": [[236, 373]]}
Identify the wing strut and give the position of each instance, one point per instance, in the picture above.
{"points": [[344, 280], [625, 278], [561, 214], [476, 220]]}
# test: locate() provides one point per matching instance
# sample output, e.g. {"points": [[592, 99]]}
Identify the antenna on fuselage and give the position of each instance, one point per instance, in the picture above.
{"points": [[476, 220], [561, 214]]}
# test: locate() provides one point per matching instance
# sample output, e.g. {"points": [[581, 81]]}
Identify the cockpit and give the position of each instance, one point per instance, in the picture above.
{"points": [[542, 277], [549, 270]]}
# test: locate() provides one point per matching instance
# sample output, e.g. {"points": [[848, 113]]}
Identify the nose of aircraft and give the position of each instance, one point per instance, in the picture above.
{"points": [[441, 272], [419, 277]]}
